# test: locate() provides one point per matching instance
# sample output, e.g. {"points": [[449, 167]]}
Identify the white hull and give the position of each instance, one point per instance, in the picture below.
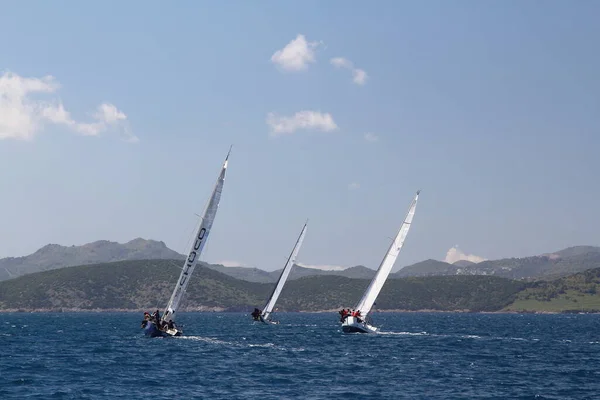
{"points": [[173, 332], [351, 325]]}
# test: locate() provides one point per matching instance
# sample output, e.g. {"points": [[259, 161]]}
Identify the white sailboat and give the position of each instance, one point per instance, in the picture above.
{"points": [[358, 322], [200, 238], [265, 315]]}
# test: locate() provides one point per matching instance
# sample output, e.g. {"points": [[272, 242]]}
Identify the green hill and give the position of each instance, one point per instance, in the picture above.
{"points": [[147, 284], [575, 293], [139, 284], [441, 293]]}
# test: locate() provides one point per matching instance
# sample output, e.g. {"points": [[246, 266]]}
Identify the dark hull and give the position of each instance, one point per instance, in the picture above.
{"points": [[151, 330]]}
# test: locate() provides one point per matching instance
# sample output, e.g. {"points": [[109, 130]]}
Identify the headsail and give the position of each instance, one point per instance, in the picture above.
{"points": [[284, 275], [200, 238], [366, 303]]}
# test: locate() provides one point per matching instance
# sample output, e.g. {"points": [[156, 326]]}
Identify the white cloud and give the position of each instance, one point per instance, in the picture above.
{"points": [[371, 137], [301, 120], [359, 76], [454, 254], [354, 186], [296, 55], [22, 114], [323, 267], [341, 62], [229, 263]]}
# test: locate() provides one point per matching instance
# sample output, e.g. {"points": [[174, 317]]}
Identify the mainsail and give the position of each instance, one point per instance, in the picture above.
{"points": [[366, 303], [200, 238], [284, 275]]}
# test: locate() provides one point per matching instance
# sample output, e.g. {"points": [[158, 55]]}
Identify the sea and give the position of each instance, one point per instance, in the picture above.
{"points": [[306, 356]]}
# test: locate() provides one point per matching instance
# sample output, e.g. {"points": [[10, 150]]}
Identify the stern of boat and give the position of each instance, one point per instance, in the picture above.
{"points": [[173, 332]]}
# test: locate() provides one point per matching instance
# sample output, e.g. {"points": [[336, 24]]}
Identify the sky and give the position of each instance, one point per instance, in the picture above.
{"points": [[115, 118]]}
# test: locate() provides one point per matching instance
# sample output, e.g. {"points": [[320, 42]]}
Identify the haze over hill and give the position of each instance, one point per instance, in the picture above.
{"points": [[549, 265]]}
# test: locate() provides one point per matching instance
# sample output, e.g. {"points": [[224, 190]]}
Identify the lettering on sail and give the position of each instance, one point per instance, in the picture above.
{"points": [[192, 256]]}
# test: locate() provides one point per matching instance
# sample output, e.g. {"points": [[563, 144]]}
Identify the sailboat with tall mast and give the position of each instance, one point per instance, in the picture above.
{"points": [[164, 326], [265, 315], [357, 320]]}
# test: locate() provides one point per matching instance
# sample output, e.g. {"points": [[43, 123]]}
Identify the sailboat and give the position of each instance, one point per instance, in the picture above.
{"points": [[357, 321], [199, 240], [265, 315]]}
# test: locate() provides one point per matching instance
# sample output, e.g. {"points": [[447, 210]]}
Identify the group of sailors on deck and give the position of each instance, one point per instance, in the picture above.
{"points": [[155, 318], [256, 314], [345, 313]]}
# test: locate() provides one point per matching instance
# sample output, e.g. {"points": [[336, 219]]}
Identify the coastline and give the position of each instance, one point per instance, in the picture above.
{"points": [[334, 311]]}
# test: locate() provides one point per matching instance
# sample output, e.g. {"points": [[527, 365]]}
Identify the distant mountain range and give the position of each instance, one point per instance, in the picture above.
{"points": [[53, 256], [545, 266]]}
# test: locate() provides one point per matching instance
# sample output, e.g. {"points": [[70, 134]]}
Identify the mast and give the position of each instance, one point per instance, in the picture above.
{"points": [[284, 275], [200, 238], [366, 303]]}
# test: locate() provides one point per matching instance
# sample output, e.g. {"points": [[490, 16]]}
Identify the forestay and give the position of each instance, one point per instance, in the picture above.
{"points": [[284, 275], [200, 238], [366, 303]]}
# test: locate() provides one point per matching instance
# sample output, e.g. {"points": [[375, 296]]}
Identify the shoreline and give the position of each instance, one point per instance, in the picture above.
{"points": [[225, 310]]}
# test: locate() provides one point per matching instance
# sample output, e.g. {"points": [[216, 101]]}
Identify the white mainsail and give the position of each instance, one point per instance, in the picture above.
{"points": [[284, 275], [200, 238], [366, 303]]}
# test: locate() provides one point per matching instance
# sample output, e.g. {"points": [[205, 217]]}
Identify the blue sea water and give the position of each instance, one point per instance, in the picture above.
{"points": [[226, 356]]}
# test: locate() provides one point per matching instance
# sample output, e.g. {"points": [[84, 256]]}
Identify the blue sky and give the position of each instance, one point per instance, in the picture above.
{"points": [[491, 108]]}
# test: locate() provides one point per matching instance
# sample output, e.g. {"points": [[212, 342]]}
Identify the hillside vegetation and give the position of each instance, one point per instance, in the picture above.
{"points": [[576, 293], [136, 285]]}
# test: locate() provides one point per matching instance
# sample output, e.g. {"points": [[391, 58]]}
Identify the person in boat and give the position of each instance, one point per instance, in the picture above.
{"points": [[256, 314], [358, 319], [344, 314], [156, 317], [170, 325]]}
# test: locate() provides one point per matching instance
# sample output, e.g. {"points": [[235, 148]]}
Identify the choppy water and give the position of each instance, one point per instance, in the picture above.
{"points": [[225, 356]]}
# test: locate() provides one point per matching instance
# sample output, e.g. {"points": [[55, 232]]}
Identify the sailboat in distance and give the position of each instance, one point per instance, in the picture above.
{"points": [[155, 325], [265, 315], [356, 320]]}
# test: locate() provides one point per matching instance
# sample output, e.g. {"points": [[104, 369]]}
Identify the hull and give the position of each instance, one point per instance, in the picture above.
{"points": [[266, 321], [351, 325], [151, 330]]}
